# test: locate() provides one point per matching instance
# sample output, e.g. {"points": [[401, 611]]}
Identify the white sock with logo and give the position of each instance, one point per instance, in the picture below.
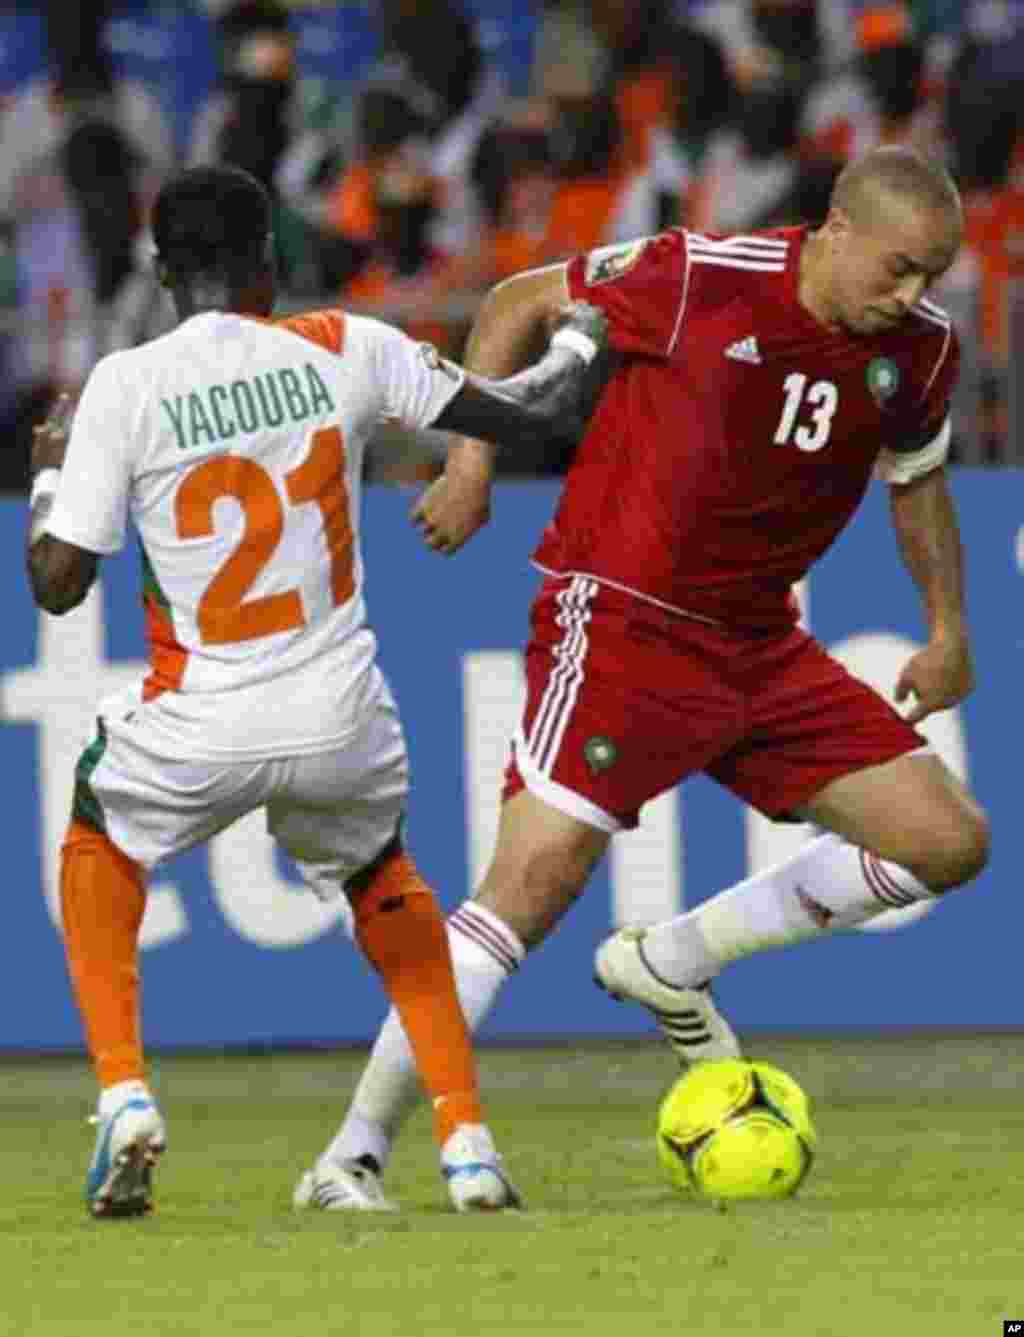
{"points": [[829, 884], [485, 952]]}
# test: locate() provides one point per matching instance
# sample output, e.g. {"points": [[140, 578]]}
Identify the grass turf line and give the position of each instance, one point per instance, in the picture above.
{"points": [[908, 1224]]}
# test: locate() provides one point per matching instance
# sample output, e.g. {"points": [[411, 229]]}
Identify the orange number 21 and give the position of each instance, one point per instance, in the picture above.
{"points": [[224, 615]]}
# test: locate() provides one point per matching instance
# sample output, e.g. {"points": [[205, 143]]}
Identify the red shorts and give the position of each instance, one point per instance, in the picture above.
{"points": [[625, 701]]}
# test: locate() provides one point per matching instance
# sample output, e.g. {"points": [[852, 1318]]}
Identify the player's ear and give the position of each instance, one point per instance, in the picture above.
{"points": [[836, 224]]}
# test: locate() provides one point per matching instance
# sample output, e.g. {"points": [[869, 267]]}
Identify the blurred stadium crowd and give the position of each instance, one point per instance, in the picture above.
{"points": [[420, 150]]}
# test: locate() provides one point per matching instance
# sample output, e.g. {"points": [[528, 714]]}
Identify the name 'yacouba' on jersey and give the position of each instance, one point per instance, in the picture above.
{"points": [[219, 412]]}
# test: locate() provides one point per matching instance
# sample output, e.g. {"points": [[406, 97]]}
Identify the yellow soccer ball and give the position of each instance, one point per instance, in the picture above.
{"points": [[731, 1129]]}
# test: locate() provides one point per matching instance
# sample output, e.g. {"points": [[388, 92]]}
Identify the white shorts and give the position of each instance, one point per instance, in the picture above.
{"points": [[333, 812]]}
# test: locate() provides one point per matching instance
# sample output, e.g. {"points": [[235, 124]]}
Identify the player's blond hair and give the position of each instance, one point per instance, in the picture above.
{"points": [[899, 172]]}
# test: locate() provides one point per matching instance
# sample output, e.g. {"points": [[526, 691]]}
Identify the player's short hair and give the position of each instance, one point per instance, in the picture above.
{"points": [[898, 171], [212, 221]]}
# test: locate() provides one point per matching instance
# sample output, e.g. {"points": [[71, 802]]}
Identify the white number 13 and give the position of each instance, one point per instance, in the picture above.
{"points": [[822, 399]]}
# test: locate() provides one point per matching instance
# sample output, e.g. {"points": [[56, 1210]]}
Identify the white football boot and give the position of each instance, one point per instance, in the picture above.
{"points": [[129, 1140], [688, 1018], [349, 1186], [473, 1171]]}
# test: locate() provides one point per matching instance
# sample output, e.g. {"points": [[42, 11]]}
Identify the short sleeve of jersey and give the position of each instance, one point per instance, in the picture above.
{"points": [[90, 508], [641, 288], [413, 382]]}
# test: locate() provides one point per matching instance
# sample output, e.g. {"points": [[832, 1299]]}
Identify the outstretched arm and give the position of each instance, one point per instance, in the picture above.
{"points": [[925, 521], [511, 325], [543, 402]]}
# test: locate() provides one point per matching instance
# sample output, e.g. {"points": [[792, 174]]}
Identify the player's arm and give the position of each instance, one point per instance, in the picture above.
{"points": [[60, 573], [81, 477], [641, 286], [509, 328], [541, 403], [513, 319], [925, 521]]}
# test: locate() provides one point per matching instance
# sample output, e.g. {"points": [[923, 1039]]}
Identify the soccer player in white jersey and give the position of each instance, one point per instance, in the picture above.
{"points": [[235, 445]]}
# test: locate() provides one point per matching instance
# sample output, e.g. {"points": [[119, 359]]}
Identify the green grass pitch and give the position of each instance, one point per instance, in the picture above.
{"points": [[910, 1225]]}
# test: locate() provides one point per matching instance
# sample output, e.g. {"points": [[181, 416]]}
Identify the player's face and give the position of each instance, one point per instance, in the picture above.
{"points": [[880, 269]]}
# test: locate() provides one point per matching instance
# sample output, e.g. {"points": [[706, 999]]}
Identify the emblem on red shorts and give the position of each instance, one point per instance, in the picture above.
{"points": [[600, 753]]}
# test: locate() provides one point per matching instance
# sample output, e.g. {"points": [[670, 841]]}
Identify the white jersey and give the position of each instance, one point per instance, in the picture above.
{"points": [[236, 446]]}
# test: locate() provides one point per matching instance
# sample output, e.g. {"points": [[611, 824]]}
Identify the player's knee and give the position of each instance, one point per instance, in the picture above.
{"points": [[974, 847], [963, 854]]}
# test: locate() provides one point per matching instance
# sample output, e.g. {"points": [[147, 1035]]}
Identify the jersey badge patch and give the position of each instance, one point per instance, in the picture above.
{"points": [[883, 378], [611, 262]]}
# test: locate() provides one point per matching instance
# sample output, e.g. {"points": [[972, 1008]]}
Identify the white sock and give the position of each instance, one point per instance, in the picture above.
{"points": [[829, 884], [485, 952]]}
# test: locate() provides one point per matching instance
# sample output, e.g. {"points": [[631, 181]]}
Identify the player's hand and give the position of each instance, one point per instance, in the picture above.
{"points": [[458, 503], [939, 676], [575, 398], [581, 316], [50, 438]]}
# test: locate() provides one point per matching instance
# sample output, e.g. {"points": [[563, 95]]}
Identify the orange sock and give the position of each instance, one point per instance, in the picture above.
{"points": [[103, 897], [400, 928]]}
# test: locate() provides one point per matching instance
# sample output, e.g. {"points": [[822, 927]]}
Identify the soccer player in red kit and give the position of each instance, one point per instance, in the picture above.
{"points": [[761, 381]]}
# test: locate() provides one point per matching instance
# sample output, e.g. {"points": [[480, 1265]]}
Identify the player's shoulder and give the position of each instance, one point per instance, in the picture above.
{"points": [[928, 336], [746, 268], [134, 371], [761, 251], [927, 320], [728, 264], [339, 331], [326, 327], [118, 370], [604, 264]]}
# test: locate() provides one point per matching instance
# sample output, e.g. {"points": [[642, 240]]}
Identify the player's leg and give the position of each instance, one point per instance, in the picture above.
{"points": [[103, 898], [339, 815], [102, 902], [543, 859], [923, 833], [132, 808], [590, 751], [904, 830], [909, 833]]}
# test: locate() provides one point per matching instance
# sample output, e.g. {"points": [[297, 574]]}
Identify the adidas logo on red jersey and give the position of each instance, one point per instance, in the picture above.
{"points": [[745, 350]]}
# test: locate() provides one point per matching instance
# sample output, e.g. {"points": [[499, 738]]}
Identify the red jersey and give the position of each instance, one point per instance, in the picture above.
{"points": [[738, 434]]}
